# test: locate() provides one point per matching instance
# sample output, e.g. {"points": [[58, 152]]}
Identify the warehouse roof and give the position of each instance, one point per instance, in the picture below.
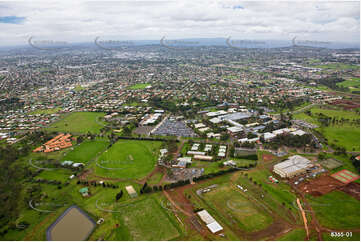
{"points": [[214, 227], [206, 217]]}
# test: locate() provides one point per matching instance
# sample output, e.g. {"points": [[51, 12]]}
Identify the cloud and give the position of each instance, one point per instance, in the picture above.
{"points": [[131, 20]]}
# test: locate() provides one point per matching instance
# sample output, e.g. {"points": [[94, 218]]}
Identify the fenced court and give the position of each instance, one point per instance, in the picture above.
{"points": [[331, 163], [345, 176]]}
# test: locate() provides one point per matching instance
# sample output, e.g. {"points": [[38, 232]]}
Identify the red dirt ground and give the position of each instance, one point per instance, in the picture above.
{"points": [[319, 186], [268, 157], [352, 189], [346, 104]]}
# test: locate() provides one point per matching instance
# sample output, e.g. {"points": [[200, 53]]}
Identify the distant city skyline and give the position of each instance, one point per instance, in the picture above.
{"points": [[82, 21]]}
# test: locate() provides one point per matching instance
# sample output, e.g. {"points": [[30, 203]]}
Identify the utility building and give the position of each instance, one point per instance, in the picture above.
{"points": [[293, 166]]}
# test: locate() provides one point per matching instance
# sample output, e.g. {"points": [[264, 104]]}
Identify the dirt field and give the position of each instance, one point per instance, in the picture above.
{"points": [[352, 189], [183, 205], [319, 186], [346, 104], [268, 157]]}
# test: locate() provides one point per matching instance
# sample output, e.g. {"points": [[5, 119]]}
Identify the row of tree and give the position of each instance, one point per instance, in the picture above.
{"points": [[94, 183]]}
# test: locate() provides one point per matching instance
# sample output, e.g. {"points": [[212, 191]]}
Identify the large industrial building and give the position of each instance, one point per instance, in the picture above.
{"points": [[293, 166]]}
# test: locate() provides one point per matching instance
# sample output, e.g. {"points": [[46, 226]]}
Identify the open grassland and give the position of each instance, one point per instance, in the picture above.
{"points": [[294, 235], [229, 228], [337, 66], [336, 210], [228, 200], [78, 123], [145, 220], [54, 201], [53, 204], [209, 166], [128, 159], [353, 84], [139, 86], [348, 136], [344, 135], [155, 178], [86, 151], [60, 174], [277, 197], [78, 88]]}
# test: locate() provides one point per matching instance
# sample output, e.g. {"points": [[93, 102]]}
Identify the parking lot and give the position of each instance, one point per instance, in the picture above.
{"points": [[174, 128]]}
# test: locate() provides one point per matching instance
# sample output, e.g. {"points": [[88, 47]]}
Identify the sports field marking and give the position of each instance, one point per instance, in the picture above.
{"points": [[345, 176]]}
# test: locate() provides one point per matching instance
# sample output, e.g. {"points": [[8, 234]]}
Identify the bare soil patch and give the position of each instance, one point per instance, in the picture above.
{"points": [[268, 157], [352, 189], [319, 186]]}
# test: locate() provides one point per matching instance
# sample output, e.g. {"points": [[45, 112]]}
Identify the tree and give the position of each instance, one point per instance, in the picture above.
{"points": [[117, 197], [225, 136], [321, 156]]}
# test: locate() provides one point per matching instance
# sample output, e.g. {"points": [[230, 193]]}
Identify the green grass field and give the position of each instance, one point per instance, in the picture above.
{"points": [[139, 86], [336, 210], [353, 84], [345, 135], [228, 200], [86, 151], [130, 158], [277, 196], [79, 122], [145, 220], [57, 174], [337, 66], [155, 179], [79, 88], [294, 235]]}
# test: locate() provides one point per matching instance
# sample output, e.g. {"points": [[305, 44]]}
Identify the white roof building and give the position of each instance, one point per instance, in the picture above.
{"points": [[235, 129], [215, 120], [130, 189], [295, 165], [214, 227], [221, 154], [206, 217], [211, 223], [203, 129], [185, 159], [199, 125], [213, 114], [298, 132], [269, 136], [203, 157], [196, 153]]}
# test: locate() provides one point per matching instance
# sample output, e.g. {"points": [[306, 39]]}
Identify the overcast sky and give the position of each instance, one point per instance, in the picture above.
{"points": [[151, 20]]}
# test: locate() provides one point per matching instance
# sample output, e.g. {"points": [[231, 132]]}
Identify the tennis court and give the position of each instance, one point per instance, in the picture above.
{"points": [[345, 176]]}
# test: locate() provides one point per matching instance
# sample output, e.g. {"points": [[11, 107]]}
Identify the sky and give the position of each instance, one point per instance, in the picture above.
{"points": [[83, 21]]}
